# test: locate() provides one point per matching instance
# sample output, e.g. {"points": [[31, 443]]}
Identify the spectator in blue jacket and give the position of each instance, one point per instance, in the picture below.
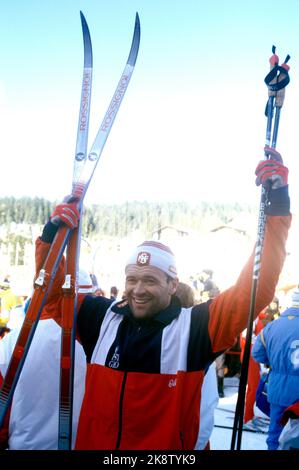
{"points": [[278, 346]]}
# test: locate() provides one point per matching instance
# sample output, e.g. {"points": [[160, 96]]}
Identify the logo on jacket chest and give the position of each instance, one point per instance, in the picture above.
{"points": [[172, 383], [114, 363]]}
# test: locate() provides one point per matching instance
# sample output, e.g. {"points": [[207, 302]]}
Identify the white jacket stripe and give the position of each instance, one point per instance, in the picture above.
{"points": [[106, 337], [175, 341], [174, 344]]}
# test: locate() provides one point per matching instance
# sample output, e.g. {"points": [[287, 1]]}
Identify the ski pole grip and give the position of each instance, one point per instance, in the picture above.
{"points": [[278, 78], [281, 93]]}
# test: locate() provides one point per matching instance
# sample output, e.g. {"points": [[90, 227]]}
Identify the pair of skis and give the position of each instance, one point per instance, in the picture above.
{"points": [[276, 81], [84, 167]]}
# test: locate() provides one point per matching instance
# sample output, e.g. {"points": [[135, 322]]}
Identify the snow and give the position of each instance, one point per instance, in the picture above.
{"points": [[224, 416]]}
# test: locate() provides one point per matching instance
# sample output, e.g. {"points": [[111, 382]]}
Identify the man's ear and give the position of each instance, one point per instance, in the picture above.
{"points": [[173, 284]]}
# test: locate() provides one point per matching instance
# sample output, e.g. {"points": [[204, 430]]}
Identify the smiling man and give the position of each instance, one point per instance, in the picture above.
{"points": [[146, 355]]}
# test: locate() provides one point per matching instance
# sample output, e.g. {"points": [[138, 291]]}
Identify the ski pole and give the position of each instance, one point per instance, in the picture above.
{"points": [[276, 81], [269, 112]]}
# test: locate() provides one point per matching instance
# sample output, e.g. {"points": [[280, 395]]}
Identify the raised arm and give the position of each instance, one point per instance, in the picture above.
{"points": [[229, 311]]}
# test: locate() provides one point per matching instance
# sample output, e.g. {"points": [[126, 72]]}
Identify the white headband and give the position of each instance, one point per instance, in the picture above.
{"points": [[151, 253]]}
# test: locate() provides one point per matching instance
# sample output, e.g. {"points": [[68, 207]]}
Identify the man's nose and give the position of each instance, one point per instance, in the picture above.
{"points": [[139, 287]]}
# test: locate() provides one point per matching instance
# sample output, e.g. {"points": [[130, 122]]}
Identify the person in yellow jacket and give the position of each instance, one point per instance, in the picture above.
{"points": [[8, 300]]}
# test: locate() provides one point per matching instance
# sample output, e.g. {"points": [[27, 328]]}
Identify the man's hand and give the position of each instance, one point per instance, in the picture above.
{"points": [[66, 212], [272, 173]]}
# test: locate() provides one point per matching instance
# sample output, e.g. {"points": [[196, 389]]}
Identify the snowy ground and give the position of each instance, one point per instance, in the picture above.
{"points": [[224, 416]]}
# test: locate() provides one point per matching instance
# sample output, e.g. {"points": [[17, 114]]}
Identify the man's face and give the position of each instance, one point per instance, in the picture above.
{"points": [[148, 290]]}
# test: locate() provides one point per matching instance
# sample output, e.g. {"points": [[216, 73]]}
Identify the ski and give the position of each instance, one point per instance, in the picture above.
{"points": [[224, 409], [259, 421], [46, 277], [256, 423], [83, 171], [84, 112], [104, 130], [255, 431], [69, 288], [260, 418]]}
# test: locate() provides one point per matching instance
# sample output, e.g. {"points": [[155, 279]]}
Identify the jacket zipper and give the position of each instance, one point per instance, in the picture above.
{"points": [[120, 410]]}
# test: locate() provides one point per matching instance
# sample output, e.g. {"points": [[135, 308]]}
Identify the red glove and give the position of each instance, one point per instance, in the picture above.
{"points": [[67, 213], [272, 173]]}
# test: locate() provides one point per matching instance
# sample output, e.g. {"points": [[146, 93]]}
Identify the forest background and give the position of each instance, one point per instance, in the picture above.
{"points": [[208, 235]]}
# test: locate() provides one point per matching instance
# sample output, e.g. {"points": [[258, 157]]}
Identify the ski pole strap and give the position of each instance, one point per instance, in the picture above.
{"points": [[278, 77], [276, 81]]}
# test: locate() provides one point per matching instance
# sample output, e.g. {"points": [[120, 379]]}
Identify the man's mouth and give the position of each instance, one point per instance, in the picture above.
{"points": [[140, 301]]}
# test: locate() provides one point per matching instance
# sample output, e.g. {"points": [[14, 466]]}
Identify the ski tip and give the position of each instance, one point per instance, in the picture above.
{"points": [[83, 20], [137, 24], [86, 41], [135, 42]]}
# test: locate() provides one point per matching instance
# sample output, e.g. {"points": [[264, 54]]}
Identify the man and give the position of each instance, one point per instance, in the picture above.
{"points": [[278, 346], [113, 293], [208, 285], [146, 355]]}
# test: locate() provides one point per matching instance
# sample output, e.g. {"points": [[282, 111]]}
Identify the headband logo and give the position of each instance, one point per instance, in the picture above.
{"points": [[143, 258]]}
